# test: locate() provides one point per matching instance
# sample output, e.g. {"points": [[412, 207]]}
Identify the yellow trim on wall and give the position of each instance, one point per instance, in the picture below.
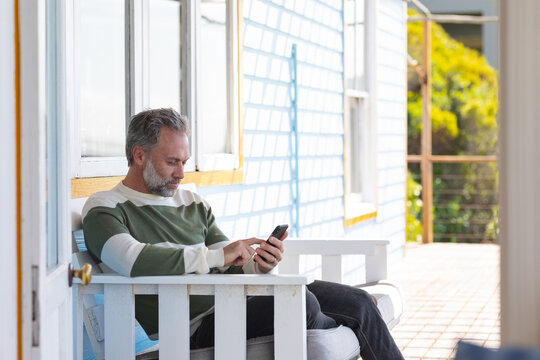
{"points": [[84, 187], [355, 220], [214, 178]]}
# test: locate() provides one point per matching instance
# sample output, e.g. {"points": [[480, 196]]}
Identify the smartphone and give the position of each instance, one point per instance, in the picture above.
{"points": [[278, 232]]}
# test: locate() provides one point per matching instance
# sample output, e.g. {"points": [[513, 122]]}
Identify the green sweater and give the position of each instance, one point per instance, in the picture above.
{"points": [[137, 234]]}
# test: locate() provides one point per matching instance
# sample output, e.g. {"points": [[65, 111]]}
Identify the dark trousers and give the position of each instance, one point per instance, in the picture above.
{"points": [[327, 305]]}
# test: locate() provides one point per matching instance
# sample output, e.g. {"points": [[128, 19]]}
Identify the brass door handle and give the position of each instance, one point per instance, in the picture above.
{"points": [[85, 274]]}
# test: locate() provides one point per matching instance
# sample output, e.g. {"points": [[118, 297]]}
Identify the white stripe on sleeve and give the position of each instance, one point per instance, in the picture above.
{"points": [[200, 260], [219, 245], [120, 253]]}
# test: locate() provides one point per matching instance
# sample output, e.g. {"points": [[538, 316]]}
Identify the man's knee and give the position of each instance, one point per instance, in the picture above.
{"points": [[315, 319], [364, 296], [313, 309], [312, 305]]}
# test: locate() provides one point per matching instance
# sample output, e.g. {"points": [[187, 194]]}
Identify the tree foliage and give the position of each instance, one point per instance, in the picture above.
{"points": [[464, 96]]}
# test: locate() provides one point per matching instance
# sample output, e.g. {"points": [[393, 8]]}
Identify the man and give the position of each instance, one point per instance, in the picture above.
{"points": [[146, 226]]}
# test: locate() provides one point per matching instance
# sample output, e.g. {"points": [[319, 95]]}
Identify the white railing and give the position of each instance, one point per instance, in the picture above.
{"points": [[230, 293]]}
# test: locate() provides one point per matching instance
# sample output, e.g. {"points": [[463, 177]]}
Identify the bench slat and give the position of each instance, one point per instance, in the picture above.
{"points": [[332, 268], [173, 322], [290, 263], [377, 265], [119, 311], [290, 322], [230, 324]]}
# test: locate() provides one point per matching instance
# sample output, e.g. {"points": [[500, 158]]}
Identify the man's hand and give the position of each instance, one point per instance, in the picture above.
{"points": [[239, 252], [269, 256]]}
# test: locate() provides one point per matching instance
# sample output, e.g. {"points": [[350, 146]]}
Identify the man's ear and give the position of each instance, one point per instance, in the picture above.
{"points": [[139, 156]]}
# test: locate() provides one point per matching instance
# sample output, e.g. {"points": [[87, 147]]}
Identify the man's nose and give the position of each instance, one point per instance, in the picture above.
{"points": [[179, 171]]}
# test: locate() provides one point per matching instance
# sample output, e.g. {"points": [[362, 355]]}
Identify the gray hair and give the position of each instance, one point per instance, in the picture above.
{"points": [[145, 128]]}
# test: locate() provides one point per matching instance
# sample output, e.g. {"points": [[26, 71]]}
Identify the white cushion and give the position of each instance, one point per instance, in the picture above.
{"points": [[337, 344]]}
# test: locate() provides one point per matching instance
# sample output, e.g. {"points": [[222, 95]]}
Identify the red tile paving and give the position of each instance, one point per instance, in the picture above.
{"points": [[452, 293]]}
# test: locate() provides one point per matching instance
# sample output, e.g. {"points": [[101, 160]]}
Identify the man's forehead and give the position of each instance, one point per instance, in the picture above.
{"points": [[171, 137], [168, 132], [173, 144]]}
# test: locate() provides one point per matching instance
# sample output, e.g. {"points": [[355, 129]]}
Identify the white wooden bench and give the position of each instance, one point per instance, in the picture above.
{"points": [[230, 293]]}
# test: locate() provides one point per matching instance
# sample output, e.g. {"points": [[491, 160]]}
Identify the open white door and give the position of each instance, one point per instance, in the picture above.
{"points": [[46, 245]]}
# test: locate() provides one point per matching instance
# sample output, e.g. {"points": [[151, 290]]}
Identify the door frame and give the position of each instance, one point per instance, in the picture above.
{"points": [[9, 245], [44, 291]]}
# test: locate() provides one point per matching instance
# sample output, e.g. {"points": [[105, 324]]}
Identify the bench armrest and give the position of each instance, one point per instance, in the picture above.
{"points": [[332, 251], [329, 246], [202, 280]]}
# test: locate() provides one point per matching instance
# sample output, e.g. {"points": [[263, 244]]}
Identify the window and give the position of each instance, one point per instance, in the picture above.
{"points": [[129, 56], [360, 117], [99, 87]]}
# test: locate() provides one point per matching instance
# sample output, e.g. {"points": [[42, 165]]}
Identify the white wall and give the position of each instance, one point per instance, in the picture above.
{"points": [[519, 131], [8, 270]]}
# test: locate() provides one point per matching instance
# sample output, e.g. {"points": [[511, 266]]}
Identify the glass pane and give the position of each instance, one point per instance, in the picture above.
{"points": [[213, 109], [51, 129], [355, 44], [101, 75], [348, 14], [164, 44], [359, 11], [355, 145], [360, 64]]}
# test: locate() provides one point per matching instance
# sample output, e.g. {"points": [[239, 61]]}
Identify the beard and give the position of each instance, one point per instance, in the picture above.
{"points": [[155, 183]]}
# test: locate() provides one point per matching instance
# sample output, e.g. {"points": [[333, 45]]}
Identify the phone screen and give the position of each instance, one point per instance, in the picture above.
{"points": [[278, 232]]}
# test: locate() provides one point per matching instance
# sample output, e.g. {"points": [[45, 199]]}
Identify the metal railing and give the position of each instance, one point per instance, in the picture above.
{"points": [[464, 200]]}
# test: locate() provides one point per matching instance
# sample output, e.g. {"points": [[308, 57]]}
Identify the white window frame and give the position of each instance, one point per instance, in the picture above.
{"points": [[360, 205], [87, 166], [138, 85], [231, 160]]}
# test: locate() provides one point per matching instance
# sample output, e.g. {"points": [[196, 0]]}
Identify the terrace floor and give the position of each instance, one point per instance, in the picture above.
{"points": [[452, 293]]}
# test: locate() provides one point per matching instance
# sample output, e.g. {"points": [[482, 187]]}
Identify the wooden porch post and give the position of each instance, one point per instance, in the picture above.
{"points": [[426, 163]]}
